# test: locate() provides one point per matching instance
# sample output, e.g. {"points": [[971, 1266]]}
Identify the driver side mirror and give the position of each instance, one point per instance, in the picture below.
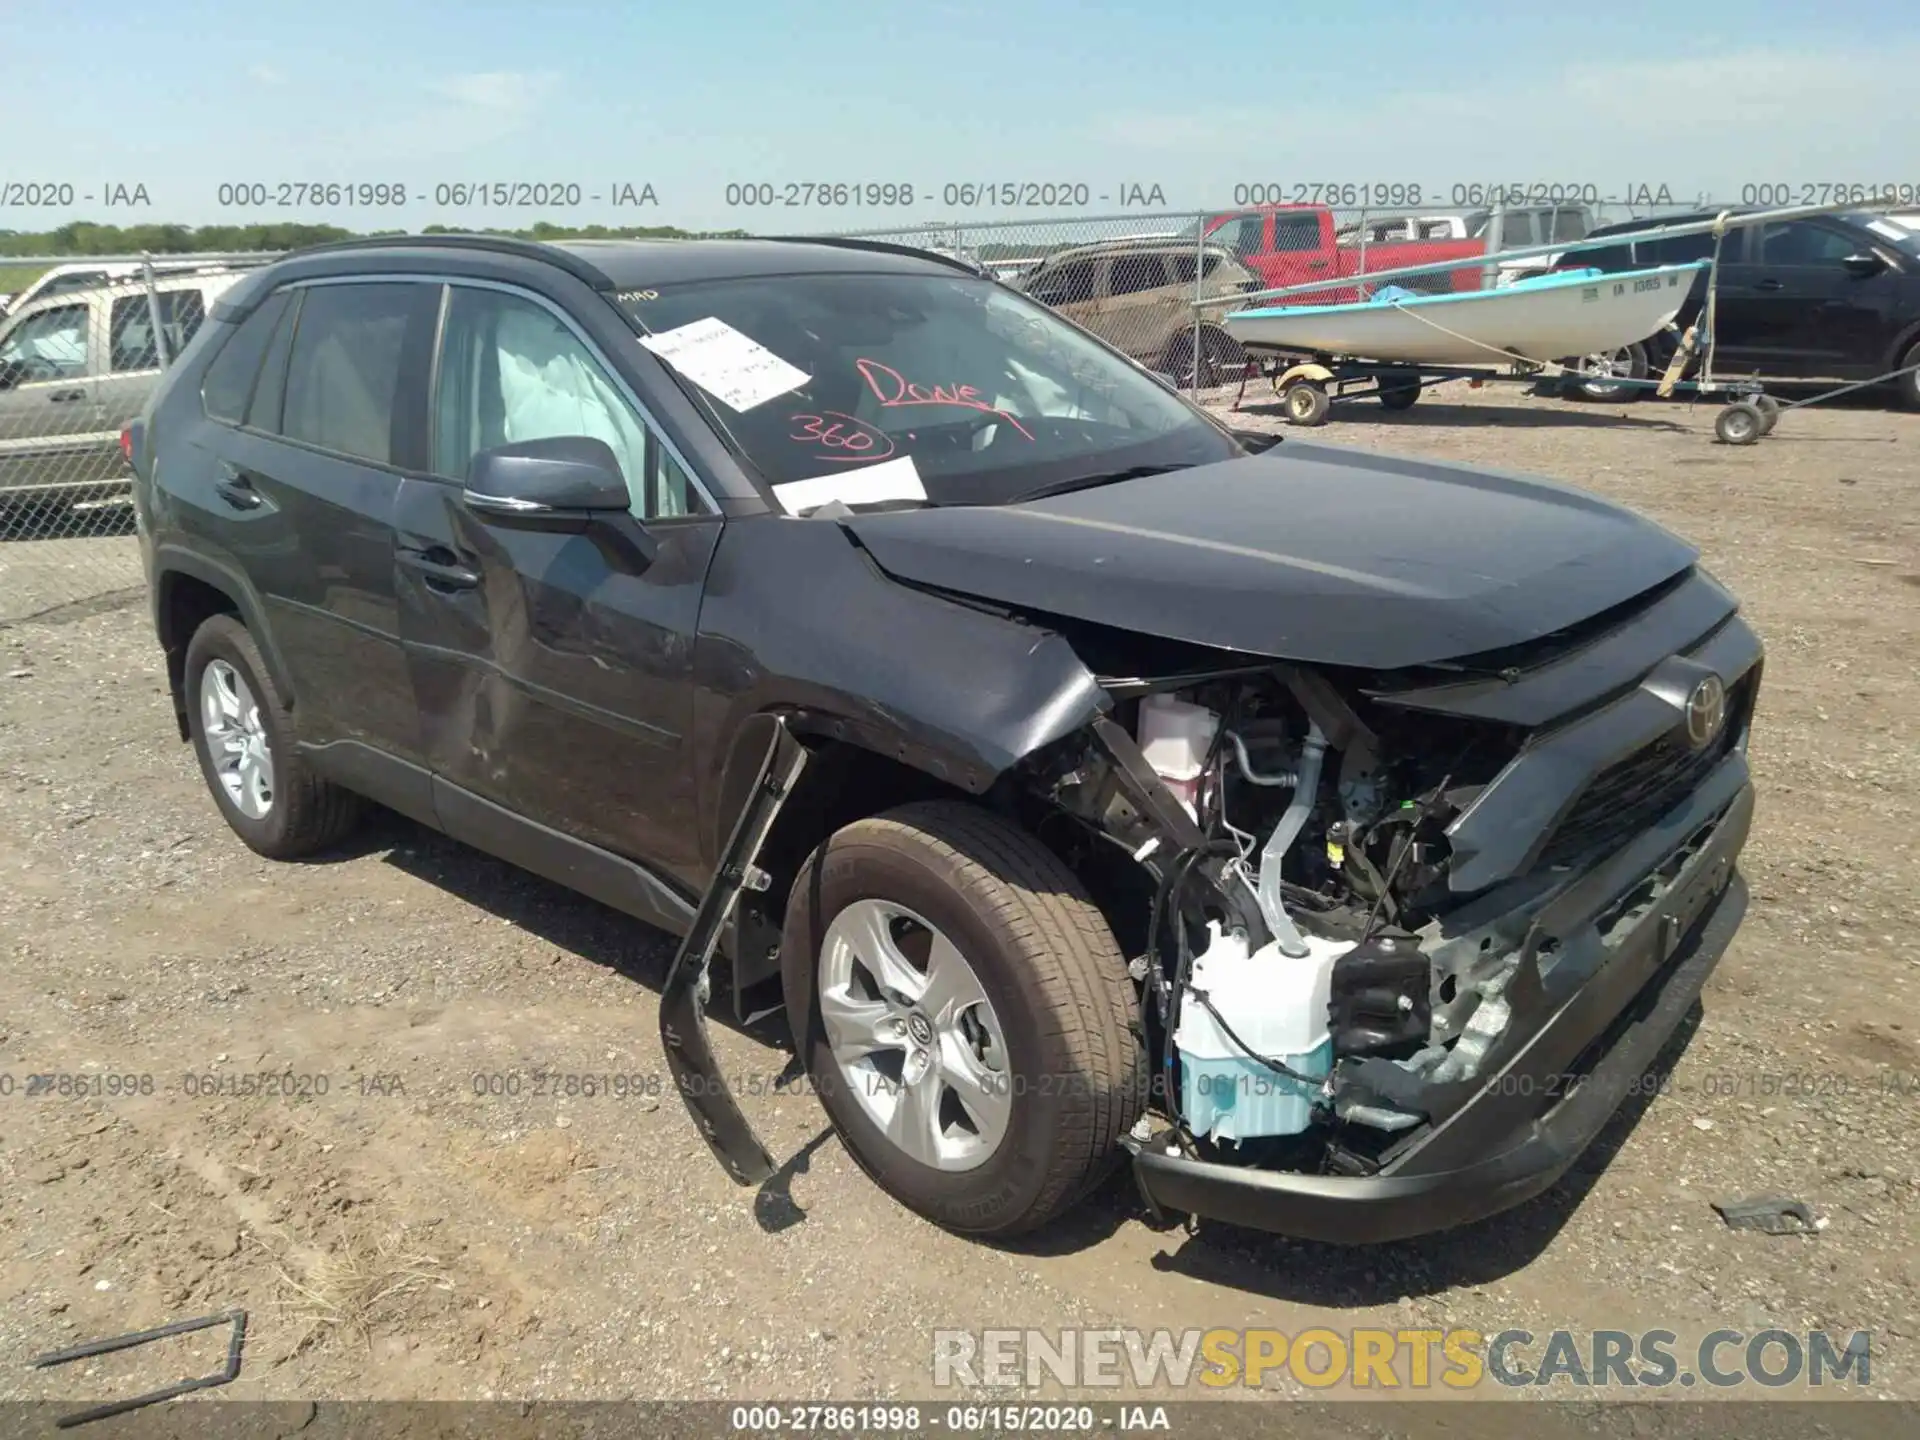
{"points": [[569, 483], [1864, 264]]}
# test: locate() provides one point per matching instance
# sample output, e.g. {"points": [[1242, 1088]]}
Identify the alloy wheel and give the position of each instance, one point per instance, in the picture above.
{"points": [[913, 1035], [236, 739]]}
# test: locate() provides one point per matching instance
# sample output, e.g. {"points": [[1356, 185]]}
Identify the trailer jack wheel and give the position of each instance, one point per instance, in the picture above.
{"points": [[1741, 423], [1307, 403], [1769, 409]]}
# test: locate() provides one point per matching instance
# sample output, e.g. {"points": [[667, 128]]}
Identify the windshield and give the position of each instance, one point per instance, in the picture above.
{"points": [[978, 395]]}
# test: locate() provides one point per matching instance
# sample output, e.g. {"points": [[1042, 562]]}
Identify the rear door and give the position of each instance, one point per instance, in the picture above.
{"points": [[301, 497], [50, 433], [554, 675], [1138, 305], [134, 357]]}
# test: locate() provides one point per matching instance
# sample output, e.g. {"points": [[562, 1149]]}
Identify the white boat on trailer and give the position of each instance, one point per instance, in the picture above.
{"points": [[1541, 320]]}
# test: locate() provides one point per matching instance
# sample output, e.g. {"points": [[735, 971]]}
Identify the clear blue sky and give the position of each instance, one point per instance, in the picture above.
{"points": [[1195, 99]]}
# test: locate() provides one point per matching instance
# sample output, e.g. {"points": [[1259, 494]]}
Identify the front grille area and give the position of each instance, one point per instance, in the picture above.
{"points": [[1631, 794]]}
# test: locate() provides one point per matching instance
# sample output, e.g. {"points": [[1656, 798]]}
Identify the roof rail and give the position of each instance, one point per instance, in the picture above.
{"points": [[497, 244], [884, 247]]}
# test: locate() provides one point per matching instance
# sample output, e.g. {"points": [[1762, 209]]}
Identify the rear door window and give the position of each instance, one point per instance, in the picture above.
{"points": [[132, 343], [343, 375], [1296, 232], [1568, 225], [229, 382], [1067, 285], [1130, 274]]}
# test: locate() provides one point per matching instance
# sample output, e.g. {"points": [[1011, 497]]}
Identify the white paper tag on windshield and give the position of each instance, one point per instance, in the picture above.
{"points": [[890, 480], [733, 367]]}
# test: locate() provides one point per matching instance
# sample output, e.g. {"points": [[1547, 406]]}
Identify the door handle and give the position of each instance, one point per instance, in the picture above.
{"points": [[440, 568], [237, 490], [62, 397], [1769, 285], [1320, 265]]}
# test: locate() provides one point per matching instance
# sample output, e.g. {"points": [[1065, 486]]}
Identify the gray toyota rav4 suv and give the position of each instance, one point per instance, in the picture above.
{"points": [[1334, 837]]}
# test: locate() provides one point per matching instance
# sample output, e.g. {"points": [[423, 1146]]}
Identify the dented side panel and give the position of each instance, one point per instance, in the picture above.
{"points": [[797, 618]]}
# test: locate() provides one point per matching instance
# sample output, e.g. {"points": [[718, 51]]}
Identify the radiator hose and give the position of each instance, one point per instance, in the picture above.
{"points": [[1272, 908]]}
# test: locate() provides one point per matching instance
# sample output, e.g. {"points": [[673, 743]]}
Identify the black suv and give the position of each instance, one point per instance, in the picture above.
{"points": [[1341, 835], [1831, 297]]}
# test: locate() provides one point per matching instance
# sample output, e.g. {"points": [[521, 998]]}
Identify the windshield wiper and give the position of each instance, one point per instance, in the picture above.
{"points": [[1088, 482]]}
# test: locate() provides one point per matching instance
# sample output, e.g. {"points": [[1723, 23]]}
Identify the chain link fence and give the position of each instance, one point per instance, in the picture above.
{"points": [[83, 342]]}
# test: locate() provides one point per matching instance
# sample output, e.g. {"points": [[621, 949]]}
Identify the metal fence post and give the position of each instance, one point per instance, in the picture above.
{"points": [[1496, 220], [1363, 290], [153, 312], [1199, 292]]}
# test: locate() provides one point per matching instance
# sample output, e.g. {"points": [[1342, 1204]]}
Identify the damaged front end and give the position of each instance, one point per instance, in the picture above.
{"points": [[1404, 941], [1411, 939]]}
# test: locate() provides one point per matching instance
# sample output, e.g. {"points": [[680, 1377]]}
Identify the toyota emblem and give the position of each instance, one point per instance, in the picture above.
{"points": [[1706, 711]]}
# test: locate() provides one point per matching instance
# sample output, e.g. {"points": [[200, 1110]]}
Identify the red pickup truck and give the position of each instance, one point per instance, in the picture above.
{"points": [[1297, 244]]}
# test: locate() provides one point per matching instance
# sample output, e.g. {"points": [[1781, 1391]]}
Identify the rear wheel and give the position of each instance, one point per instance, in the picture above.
{"points": [[1400, 391], [965, 1015], [1219, 355], [1600, 377], [243, 737]]}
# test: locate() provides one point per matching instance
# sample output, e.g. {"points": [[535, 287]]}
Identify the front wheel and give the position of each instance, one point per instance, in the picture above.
{"points": [[1306, 403], [965, 1014], [1909, 383]]}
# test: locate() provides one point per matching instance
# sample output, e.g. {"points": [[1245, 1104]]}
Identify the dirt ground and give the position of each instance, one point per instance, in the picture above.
{"points": [[421, 1217]]}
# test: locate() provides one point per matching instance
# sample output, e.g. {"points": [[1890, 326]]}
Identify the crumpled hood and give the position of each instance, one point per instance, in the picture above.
{"points": [[1308, 552]]}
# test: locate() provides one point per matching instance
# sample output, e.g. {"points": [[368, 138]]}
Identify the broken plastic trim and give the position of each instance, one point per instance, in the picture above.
{"points": [[235, 1343], [683, 999]]}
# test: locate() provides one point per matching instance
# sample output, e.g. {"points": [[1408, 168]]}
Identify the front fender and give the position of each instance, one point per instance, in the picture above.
{"points": [[799, 620]]}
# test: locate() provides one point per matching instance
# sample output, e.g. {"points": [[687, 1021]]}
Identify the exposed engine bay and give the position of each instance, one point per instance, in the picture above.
{"points": [[1295, 899]]}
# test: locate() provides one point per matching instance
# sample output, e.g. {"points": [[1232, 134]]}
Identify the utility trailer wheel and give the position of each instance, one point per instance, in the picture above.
{"points": [[1398, 392], [1307, 403], [1741, 423], [1769, 409]]}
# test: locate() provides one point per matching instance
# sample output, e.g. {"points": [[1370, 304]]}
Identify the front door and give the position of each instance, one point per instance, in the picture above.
{"points": [[1793, 308], [553, 673], [50, 435]]}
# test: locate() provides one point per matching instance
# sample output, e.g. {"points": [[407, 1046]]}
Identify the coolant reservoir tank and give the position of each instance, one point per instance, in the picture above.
{"points": [[1277, 1006], [1175, 737]]}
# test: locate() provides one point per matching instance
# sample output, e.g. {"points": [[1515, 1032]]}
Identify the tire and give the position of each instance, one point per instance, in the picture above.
{"points": [[1399, 392], [302, 813], [1740, 423], [1306, 403], [1629, 363], [1909, 383], [1059, 1009], [1219, 354], [1769, 409]]}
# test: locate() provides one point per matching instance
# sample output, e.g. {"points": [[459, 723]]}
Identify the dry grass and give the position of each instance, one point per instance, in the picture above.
{"points": [[357, 1284]]}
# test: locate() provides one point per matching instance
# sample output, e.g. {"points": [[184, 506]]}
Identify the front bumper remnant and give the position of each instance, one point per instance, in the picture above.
{"points": [[683, 999], [1531, 1118]]}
